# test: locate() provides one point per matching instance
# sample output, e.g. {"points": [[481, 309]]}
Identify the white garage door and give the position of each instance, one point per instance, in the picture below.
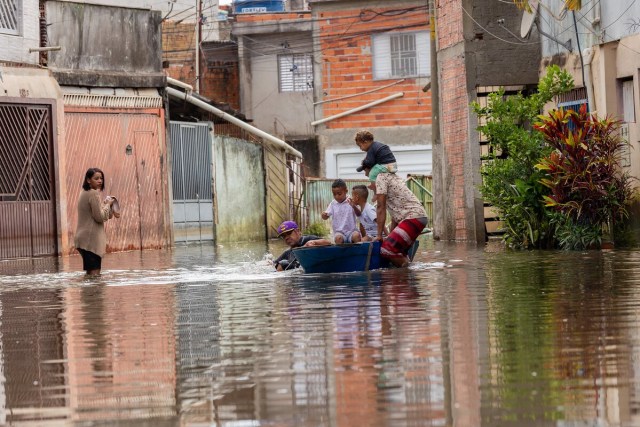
{"points": [[414, 160]]}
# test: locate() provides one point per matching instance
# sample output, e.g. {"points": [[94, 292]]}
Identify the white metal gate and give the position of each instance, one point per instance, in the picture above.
{"points": [[191, 173]]}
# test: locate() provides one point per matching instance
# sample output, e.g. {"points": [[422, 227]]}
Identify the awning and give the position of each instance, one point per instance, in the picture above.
{"points": [[25, 82]]}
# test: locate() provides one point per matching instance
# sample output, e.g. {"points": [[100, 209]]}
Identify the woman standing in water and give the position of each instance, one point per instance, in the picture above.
{"points": [[91, 239]]}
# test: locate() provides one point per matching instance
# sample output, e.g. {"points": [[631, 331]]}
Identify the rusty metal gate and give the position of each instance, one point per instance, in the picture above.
{"points": [[27, 198]]}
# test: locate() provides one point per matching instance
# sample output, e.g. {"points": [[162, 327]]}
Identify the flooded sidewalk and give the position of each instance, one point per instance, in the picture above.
{"points": [[203, 335]]}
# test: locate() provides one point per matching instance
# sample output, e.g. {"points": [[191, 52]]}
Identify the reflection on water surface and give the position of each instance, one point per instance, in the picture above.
{"points": [[203, 336]]}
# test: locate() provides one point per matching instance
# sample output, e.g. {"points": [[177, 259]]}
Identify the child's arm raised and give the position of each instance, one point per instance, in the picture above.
{"points": [[355, 207]]}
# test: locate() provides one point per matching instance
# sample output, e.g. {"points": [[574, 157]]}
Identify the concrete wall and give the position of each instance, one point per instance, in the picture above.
{"points": [[598, 22], [15, 47], [285, 114], [92, 55], [239, 190], [494, 55], [279, 113]]}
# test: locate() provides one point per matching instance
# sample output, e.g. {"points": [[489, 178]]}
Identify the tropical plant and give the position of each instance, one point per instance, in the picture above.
{"points": [[317, 229], [511, 181], [587, 184]]}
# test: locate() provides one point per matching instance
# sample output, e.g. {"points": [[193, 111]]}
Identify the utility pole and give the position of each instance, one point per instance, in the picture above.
{"points": [[198, 40]]}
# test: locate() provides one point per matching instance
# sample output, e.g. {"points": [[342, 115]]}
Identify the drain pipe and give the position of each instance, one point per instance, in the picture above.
{"points": [[228, 117], [360, 108], [588, 84], [178, 83]]}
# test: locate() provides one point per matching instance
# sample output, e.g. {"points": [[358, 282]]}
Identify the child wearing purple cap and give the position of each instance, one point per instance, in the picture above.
{"points": [[292, 236]]}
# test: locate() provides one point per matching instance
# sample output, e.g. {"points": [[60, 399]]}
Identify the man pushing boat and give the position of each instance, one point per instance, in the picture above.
{"points": [[292, 236]]}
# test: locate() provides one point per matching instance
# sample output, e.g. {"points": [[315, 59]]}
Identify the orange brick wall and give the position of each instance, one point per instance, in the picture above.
{"points": [[456, 174], [219, 81], [347, 69]]}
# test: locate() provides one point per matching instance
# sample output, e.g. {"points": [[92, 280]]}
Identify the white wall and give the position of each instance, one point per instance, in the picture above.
{"points": [[598, 22], [15, 48]]}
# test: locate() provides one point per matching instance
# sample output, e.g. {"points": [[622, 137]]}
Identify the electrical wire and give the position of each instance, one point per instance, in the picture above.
{"points": [[490, 33]]}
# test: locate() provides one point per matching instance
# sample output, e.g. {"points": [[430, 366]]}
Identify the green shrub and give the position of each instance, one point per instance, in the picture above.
{"points": [[511, 181], [317, 229]]}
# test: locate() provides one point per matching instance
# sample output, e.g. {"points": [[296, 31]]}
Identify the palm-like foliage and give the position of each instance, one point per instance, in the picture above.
{"points": [[587, 183]]}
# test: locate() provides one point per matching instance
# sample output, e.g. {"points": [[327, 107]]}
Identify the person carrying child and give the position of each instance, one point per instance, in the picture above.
{"points": [[343, 218], [408, 216], [365, 212], [377, 154]]}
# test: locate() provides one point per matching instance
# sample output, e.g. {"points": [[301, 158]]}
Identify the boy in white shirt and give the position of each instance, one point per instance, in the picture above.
{"points": [[365, 212], [343, 217]]}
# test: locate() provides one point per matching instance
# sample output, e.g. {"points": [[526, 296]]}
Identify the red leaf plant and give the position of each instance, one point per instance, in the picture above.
{"points": [[584, 171]]}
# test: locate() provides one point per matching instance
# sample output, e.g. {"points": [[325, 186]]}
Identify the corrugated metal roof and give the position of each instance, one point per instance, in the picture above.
{"points": [[110, 101]]}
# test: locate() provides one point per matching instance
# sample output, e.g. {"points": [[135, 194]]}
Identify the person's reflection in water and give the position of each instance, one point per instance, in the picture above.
{"points": [[97, 328], [384, 352]]}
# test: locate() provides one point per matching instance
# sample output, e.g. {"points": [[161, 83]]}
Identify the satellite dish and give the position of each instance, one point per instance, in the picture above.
{"points": [[528, 18]]}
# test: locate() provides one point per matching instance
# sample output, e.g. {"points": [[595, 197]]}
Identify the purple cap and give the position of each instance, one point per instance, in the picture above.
{"points": [[287, 226]]}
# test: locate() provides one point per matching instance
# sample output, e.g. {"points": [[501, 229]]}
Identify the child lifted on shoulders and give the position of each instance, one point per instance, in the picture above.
{"points": [[343, 217], [365, 212], [377, 154]]}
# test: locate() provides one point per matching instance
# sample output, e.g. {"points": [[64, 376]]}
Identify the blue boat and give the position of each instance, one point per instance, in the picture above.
{"points": [[344, 258]]}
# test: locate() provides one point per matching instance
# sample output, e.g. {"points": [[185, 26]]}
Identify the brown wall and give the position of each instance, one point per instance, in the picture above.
{"points": [[218, 63]]}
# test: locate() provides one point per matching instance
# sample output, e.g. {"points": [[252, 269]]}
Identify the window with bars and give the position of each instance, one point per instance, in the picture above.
{"points": [[401, 55], [404, 58], [295, 72], [9, 16]]}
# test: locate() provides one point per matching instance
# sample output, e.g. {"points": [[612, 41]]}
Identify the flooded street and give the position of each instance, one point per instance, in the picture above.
{"points": [[212, 336]]}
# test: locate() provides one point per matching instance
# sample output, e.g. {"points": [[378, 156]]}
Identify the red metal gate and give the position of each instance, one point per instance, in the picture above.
{"points": [[127, 146], [27, 199]]}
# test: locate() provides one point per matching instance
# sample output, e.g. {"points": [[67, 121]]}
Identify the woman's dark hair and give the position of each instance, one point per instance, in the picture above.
{"points": [[89, 175]]}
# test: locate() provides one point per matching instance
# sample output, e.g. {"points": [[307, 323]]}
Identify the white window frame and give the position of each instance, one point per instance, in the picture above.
{"points": [[628, 101], [295, 72], [10, 17], [388, 60]]}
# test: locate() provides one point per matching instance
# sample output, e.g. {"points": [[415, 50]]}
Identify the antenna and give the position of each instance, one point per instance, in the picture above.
{"points": [[528, 18]]}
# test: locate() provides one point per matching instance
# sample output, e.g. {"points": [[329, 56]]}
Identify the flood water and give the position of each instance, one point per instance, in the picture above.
{"points": [[211, 336]]}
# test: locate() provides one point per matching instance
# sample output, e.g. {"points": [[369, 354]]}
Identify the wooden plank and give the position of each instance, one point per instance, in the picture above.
{"points": [[277, 197]]}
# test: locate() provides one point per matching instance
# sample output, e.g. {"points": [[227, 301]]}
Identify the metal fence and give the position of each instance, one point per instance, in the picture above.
{"points": [[421, 186]]}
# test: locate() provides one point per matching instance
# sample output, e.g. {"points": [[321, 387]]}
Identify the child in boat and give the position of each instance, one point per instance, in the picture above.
{"points": [[343, 218], [365, 212], [377, 154]]}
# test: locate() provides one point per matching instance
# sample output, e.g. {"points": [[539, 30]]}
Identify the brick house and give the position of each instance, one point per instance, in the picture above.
{"points": [[315, 78], [372, 54]]}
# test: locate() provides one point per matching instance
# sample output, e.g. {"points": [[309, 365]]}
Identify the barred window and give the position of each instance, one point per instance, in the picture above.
{"points": [[295, 72], [9, 16], [401, 55]]}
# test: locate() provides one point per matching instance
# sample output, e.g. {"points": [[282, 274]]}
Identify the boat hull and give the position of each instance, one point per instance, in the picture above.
{"points": [[344, 258]]}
